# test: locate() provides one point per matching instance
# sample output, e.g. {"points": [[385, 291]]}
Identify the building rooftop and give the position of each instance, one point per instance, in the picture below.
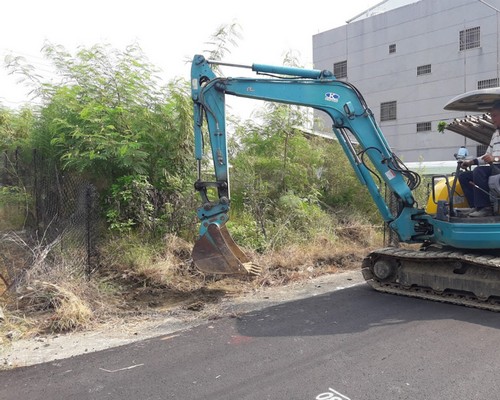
{"points": [[380, 8]]}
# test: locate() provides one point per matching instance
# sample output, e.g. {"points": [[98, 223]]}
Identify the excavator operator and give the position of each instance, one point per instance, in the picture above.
{"points": [[474, 182]]}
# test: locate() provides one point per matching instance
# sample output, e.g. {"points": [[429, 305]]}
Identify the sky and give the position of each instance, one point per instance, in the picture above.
{"points": [[169, 33]]}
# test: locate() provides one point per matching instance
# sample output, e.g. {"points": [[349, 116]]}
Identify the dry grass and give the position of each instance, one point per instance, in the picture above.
{"points": [[69, 309], [43, 292], [297, 263], [139, 281]]}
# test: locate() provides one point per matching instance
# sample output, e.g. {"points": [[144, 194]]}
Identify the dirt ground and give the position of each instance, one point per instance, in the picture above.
{"points": [[48, 348]]}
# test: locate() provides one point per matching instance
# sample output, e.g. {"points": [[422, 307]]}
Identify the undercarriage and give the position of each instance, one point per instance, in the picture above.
{"points": [[459, 277]]}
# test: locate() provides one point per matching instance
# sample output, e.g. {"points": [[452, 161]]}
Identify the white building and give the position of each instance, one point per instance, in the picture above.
{"points": [[409, 58]]}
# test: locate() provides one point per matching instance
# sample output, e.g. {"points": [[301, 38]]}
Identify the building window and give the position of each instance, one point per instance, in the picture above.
{"points": [[487, 83], [470, 38], [340, 69], [424, 126], [424, 69], [388, 111], [392, 48]]}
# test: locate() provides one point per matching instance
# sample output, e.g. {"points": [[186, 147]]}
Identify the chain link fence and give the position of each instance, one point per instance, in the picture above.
{"points": [[45, 212]]}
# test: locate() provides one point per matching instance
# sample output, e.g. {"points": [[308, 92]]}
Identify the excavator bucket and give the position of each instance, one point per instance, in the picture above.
{"points": [[216, 253]]}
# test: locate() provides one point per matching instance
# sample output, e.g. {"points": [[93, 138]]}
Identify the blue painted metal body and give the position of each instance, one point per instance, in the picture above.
{"points": [[349, 113]]}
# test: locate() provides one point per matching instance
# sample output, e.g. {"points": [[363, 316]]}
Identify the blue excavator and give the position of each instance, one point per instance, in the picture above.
{"points": [[456, 259]]}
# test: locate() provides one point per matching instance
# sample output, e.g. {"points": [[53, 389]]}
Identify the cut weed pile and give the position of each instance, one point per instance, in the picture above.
{"points": [[138, 281]]}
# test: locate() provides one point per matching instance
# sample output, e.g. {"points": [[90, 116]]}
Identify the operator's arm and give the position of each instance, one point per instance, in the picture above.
{"points": [[486, 158], [492, 154]]}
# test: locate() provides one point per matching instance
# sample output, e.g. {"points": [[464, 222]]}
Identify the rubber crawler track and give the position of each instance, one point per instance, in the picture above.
{"points": [[432, 260]]}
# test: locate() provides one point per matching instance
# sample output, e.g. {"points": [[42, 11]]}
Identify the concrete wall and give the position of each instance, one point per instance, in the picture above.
{"points": [[425, 32]]}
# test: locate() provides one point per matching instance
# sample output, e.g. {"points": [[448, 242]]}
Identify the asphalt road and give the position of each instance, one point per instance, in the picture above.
{"points": [[349, 344]]}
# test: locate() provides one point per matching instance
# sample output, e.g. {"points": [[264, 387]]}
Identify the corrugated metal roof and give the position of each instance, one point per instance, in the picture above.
{"points": [[475, 127]]}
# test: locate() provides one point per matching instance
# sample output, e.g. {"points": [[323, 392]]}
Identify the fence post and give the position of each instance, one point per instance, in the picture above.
{"points": [[88, 202]]}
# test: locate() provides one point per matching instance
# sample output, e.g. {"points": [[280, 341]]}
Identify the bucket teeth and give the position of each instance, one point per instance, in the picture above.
{"points": [[252, 269]]}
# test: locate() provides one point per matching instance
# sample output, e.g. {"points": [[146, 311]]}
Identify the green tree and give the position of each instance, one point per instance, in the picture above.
{"points": [[15, 128], [110, 118], [273, 173]]}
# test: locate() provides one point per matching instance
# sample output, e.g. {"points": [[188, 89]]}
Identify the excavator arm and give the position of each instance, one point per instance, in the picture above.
{"points": [[352, 121]]}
